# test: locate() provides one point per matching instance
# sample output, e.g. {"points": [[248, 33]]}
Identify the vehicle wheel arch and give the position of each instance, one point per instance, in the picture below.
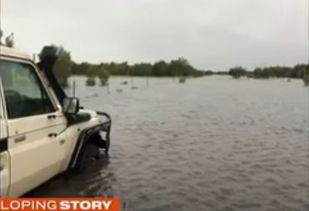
{"points": [[87, 137]]}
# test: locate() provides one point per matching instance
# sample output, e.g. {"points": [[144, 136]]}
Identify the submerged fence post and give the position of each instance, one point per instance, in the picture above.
{"points": [[107, 88], [132, 82], [73, 88]]}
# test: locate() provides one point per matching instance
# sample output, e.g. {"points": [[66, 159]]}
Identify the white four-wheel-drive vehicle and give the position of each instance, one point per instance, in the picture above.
{"points": [[42, 131]]}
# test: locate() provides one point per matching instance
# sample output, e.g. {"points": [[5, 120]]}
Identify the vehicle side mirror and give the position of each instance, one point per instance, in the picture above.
{"points": [[71, 105]]}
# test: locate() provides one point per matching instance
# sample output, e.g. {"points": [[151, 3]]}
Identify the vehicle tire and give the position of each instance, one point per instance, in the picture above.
{"points": [[87, 155], [100, 142]]}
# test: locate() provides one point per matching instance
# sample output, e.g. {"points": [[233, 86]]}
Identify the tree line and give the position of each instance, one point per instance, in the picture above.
{"points": [[175, 68], [65, 67], [300, 71], [178, 67]]}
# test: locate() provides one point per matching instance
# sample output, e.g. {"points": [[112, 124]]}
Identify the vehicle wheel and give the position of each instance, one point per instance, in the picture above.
{"points": [[100, 142], [87, 155]]}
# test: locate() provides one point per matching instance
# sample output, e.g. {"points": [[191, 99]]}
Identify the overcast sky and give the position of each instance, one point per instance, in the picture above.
{"points": [[211, 34]]}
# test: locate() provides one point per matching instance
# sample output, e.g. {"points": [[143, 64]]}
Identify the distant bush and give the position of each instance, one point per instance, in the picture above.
{"points": [[237, 72], [103, 76], [90, 81], [182, 80], [300, 71], [271, 72], [208, 72], [305, 75], [63, 67]]}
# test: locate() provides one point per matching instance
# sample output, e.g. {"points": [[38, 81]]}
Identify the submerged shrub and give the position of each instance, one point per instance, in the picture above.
{"points": [[90, 81], [182, 80], [103, 75]]}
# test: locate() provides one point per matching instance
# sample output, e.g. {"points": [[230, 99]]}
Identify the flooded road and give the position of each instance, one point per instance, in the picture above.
{"points": [[212, 143]]}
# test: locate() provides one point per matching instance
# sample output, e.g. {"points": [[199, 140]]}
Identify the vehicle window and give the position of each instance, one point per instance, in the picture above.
{"points": [[24, 93]]}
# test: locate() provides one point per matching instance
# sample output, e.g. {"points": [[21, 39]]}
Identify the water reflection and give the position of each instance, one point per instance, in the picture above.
{"points": [[97, 180]]}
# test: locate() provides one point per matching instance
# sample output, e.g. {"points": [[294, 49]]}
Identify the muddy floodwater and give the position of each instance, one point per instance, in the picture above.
{"points": [[212, 143]]}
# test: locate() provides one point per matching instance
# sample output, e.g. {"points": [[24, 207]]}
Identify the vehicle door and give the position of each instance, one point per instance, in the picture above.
{"points": [[35, 127], [4, 155]]}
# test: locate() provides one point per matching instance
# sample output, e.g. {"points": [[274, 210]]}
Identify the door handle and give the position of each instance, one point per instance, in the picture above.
{"points": [[52, 135], [20, 138], [52, 116]]}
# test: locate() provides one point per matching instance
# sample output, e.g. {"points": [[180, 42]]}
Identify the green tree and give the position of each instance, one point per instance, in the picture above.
{"points": [[237, 72], [141, 69], [103, 76], [300, 70], [159, 68], [91, 73], [303, 72], [63, 66], [180, 67], [261, 73]]}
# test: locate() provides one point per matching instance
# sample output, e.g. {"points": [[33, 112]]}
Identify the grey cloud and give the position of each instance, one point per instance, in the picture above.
{"points": [[212, 34]]}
